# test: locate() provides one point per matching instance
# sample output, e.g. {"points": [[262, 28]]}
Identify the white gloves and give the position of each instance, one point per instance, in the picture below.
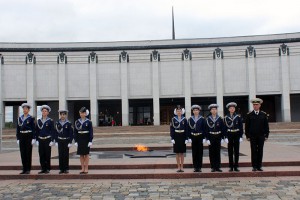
{"points": [[190, 140], [18, 142], [208, 142], [222, 141], [90, 144], [69, 145], [33, 141], [76, 144], [37, 143], [204, 140], [226, 140], [186, 141], [51, 144], [241, 140], [56, 144], [173, 141]]}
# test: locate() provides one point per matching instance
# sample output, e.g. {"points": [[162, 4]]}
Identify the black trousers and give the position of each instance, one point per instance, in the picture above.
{"points": [[233, 149], [257, 145], [197, 151], [63, 154], [215, 151], [45, 154], [26, 150]]}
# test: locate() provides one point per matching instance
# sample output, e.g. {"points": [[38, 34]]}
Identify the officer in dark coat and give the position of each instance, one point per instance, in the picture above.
{"points": [[196, 131], [234, 134], [64, 138], [179, 136], [83, 135], [215, 136], [257, 132], [26, 137], [45, 139]]}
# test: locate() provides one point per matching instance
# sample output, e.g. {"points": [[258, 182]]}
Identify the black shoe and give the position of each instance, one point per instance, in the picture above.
{"points": [[219, 170], [195, 170], [200, 170], [61, 172], [213, 170], [236, 169], [260, 169], [47, 171], [230, 169], [41, 172], [27, 172], [66, 172], [254, 169], [181, 170]]}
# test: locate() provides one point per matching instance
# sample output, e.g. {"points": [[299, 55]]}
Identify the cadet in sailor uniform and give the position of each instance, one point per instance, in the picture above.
{"points": [[45, 139], [234, 134], [257, 132], [83, 134], [215, 136], [179, 136], [64, 138], [196, 131], [26, 137]]}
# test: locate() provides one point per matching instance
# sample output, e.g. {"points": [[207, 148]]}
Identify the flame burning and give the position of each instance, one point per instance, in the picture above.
{"points": [[140, 147]]}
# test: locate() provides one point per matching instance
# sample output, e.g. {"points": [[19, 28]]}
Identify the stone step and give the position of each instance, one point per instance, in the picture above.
{"points": [[152, 166], [153, 173]]}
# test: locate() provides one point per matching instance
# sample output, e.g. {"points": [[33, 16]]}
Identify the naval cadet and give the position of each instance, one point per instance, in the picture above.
{"points": [[179, 136], [196, 131], [26, 137], [234, 135], [45, 139], [257, 132], [64, 138], [83, 135], [215, 136]]}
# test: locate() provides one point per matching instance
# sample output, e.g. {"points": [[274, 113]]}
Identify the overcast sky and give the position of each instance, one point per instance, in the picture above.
{"points": [[120, 20]]}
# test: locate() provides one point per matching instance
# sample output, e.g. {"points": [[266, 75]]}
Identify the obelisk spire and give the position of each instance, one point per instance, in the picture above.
{"points": [[173, 26]]}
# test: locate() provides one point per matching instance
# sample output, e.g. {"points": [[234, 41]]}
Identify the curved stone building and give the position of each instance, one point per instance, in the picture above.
{"points": [[140, 82]]}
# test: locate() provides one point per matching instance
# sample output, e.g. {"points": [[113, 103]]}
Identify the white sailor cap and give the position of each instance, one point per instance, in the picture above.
{"points": [[63, 111], [196, 107], [46, 107], [256, 101], [84, 110], [179, 108], [213, 106], [26, 105], [231, 104]]}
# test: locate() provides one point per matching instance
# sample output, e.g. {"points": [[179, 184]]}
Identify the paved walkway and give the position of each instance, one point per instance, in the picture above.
{"points": [[284, 188]]}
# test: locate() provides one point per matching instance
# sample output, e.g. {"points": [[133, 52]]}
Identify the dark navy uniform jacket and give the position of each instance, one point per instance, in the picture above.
{"points": [[64, 130], [234, 125], [83, 126], [214, 126], [26, 124], [196, 125], [257, 125], [179, 125], [45, 129]]}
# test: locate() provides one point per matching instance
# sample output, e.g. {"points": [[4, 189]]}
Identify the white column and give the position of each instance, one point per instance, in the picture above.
{"points": [[218, 56], [93, 88], [285, 77], [30, 79], [186, 64], [124, 59], [62, 81], [155, 87], [251, 54]]}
